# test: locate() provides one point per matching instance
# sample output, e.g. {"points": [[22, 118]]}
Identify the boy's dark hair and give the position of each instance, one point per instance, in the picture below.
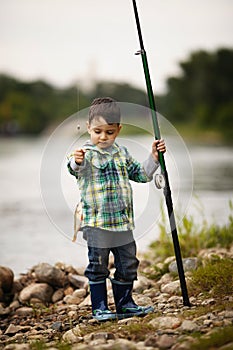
{"points": [[107, 108]]}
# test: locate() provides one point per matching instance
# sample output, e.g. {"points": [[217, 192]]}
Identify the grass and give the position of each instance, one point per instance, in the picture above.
{"points": [[215, 277], [215, 340], [193, 237]]}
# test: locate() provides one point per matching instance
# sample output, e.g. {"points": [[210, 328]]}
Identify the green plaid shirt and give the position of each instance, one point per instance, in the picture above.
{"points": [[104, 184]]}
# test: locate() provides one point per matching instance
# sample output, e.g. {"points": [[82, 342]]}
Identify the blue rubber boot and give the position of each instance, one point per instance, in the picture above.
{"points": [[100, 310], [125, 305]]}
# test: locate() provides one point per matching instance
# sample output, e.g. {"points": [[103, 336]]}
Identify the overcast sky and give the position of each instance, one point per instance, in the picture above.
{"points": [[67, 41]]}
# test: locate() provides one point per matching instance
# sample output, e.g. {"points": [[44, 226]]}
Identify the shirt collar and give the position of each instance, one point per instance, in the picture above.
{"points": [[110, 150]]}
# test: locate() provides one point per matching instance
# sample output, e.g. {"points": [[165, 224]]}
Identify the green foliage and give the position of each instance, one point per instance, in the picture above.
{"points": [[193, 237], [28, 108], [215, 340], [215, 276], [203, 93]]}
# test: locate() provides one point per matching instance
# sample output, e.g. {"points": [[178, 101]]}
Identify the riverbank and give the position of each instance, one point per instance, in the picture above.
{"points": [[49, 308]]}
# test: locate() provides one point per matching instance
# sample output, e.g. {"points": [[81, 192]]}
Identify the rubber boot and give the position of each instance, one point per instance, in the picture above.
{"points": [[100, 310], [125, 305]]}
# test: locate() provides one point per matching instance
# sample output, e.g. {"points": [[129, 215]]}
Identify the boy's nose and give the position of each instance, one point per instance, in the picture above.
{"points": [[103, 136]]}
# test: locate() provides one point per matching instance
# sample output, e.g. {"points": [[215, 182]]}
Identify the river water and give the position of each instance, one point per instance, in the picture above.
{"points": [[38, 196]]}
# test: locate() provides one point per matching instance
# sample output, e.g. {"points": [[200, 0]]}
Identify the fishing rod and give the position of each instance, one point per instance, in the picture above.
{"points": [[162, 180]]}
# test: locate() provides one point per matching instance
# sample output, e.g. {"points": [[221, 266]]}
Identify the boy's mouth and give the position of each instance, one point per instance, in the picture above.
{"points": [[103, 143]]}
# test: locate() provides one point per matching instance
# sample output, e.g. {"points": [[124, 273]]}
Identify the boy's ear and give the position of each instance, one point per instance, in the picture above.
{"points": [[88, 127], [120, 127]]}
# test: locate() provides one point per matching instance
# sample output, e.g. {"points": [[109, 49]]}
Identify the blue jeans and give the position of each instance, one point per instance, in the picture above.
{"points": [[125, 261]]}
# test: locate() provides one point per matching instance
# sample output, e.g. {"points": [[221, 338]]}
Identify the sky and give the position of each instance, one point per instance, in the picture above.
{"points": [[82, 41]]}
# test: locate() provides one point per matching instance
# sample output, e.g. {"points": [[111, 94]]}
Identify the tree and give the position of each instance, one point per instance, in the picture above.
{"points": [[203, 93]]}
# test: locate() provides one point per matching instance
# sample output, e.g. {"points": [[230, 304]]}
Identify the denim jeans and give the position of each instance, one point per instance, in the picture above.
{"points": [[125, 261]]}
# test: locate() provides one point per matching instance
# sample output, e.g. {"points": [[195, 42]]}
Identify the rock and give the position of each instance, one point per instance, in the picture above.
{"points": [[69, 290], [57, 326], [6, 279], [41, 291], [86, 301], [151, 341], [102, 335], [209, 301], [57, 295], [165, 341], [4, 310], [49, 274], [70, 299], [171, 288], [12, 329], [141, 284], [213, 254], [78, 281], [166, 322], [14, 305], [17, 347], [162, 297], [71, 338], [189, 264], [189, 326], [24, 311], [228, 346], [142, 300], [226, 313], [80, 293]]}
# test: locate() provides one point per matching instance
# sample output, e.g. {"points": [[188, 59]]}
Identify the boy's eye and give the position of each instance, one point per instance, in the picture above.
{"points": [[110, 132]]}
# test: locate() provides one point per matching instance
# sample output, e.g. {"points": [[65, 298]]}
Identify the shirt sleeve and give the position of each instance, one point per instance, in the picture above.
{"points": [[75, 168], [150, 166]]}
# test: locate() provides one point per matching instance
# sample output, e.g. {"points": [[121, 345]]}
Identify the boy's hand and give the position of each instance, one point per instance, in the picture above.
{"points": [[79, 155], [158, 145]]}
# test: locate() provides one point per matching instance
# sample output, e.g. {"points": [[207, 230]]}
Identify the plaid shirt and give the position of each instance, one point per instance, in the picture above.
{"points": [[106, 193]]}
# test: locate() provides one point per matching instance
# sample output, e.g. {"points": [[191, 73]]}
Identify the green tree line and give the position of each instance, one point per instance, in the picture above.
{"points": [[201, 97]]}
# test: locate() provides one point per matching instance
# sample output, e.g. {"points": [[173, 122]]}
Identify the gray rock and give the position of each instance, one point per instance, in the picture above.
{"points": [[49, 274], [24, 311], [171, 288], [189, 264], [78, 281], [189, 326], [71, 338], [57, 326], [166, 322], [165, 341], [41, 291], [141, 284]]}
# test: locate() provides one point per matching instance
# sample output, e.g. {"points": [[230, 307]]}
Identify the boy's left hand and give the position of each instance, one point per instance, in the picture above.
{"points": [[158, 146]]}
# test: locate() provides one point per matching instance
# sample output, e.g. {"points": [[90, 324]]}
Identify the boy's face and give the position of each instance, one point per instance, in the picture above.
{"points": [[102, 134]]}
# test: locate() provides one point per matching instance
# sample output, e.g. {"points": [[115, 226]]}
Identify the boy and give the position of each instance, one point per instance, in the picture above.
{"points": [[103, 170]]}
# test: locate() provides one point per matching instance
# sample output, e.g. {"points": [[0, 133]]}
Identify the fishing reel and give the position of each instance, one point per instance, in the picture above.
{"points": [[159, 181]]}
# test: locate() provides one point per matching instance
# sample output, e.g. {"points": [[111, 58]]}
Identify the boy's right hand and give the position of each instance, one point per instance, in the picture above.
{"points": [[79, 155]]}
